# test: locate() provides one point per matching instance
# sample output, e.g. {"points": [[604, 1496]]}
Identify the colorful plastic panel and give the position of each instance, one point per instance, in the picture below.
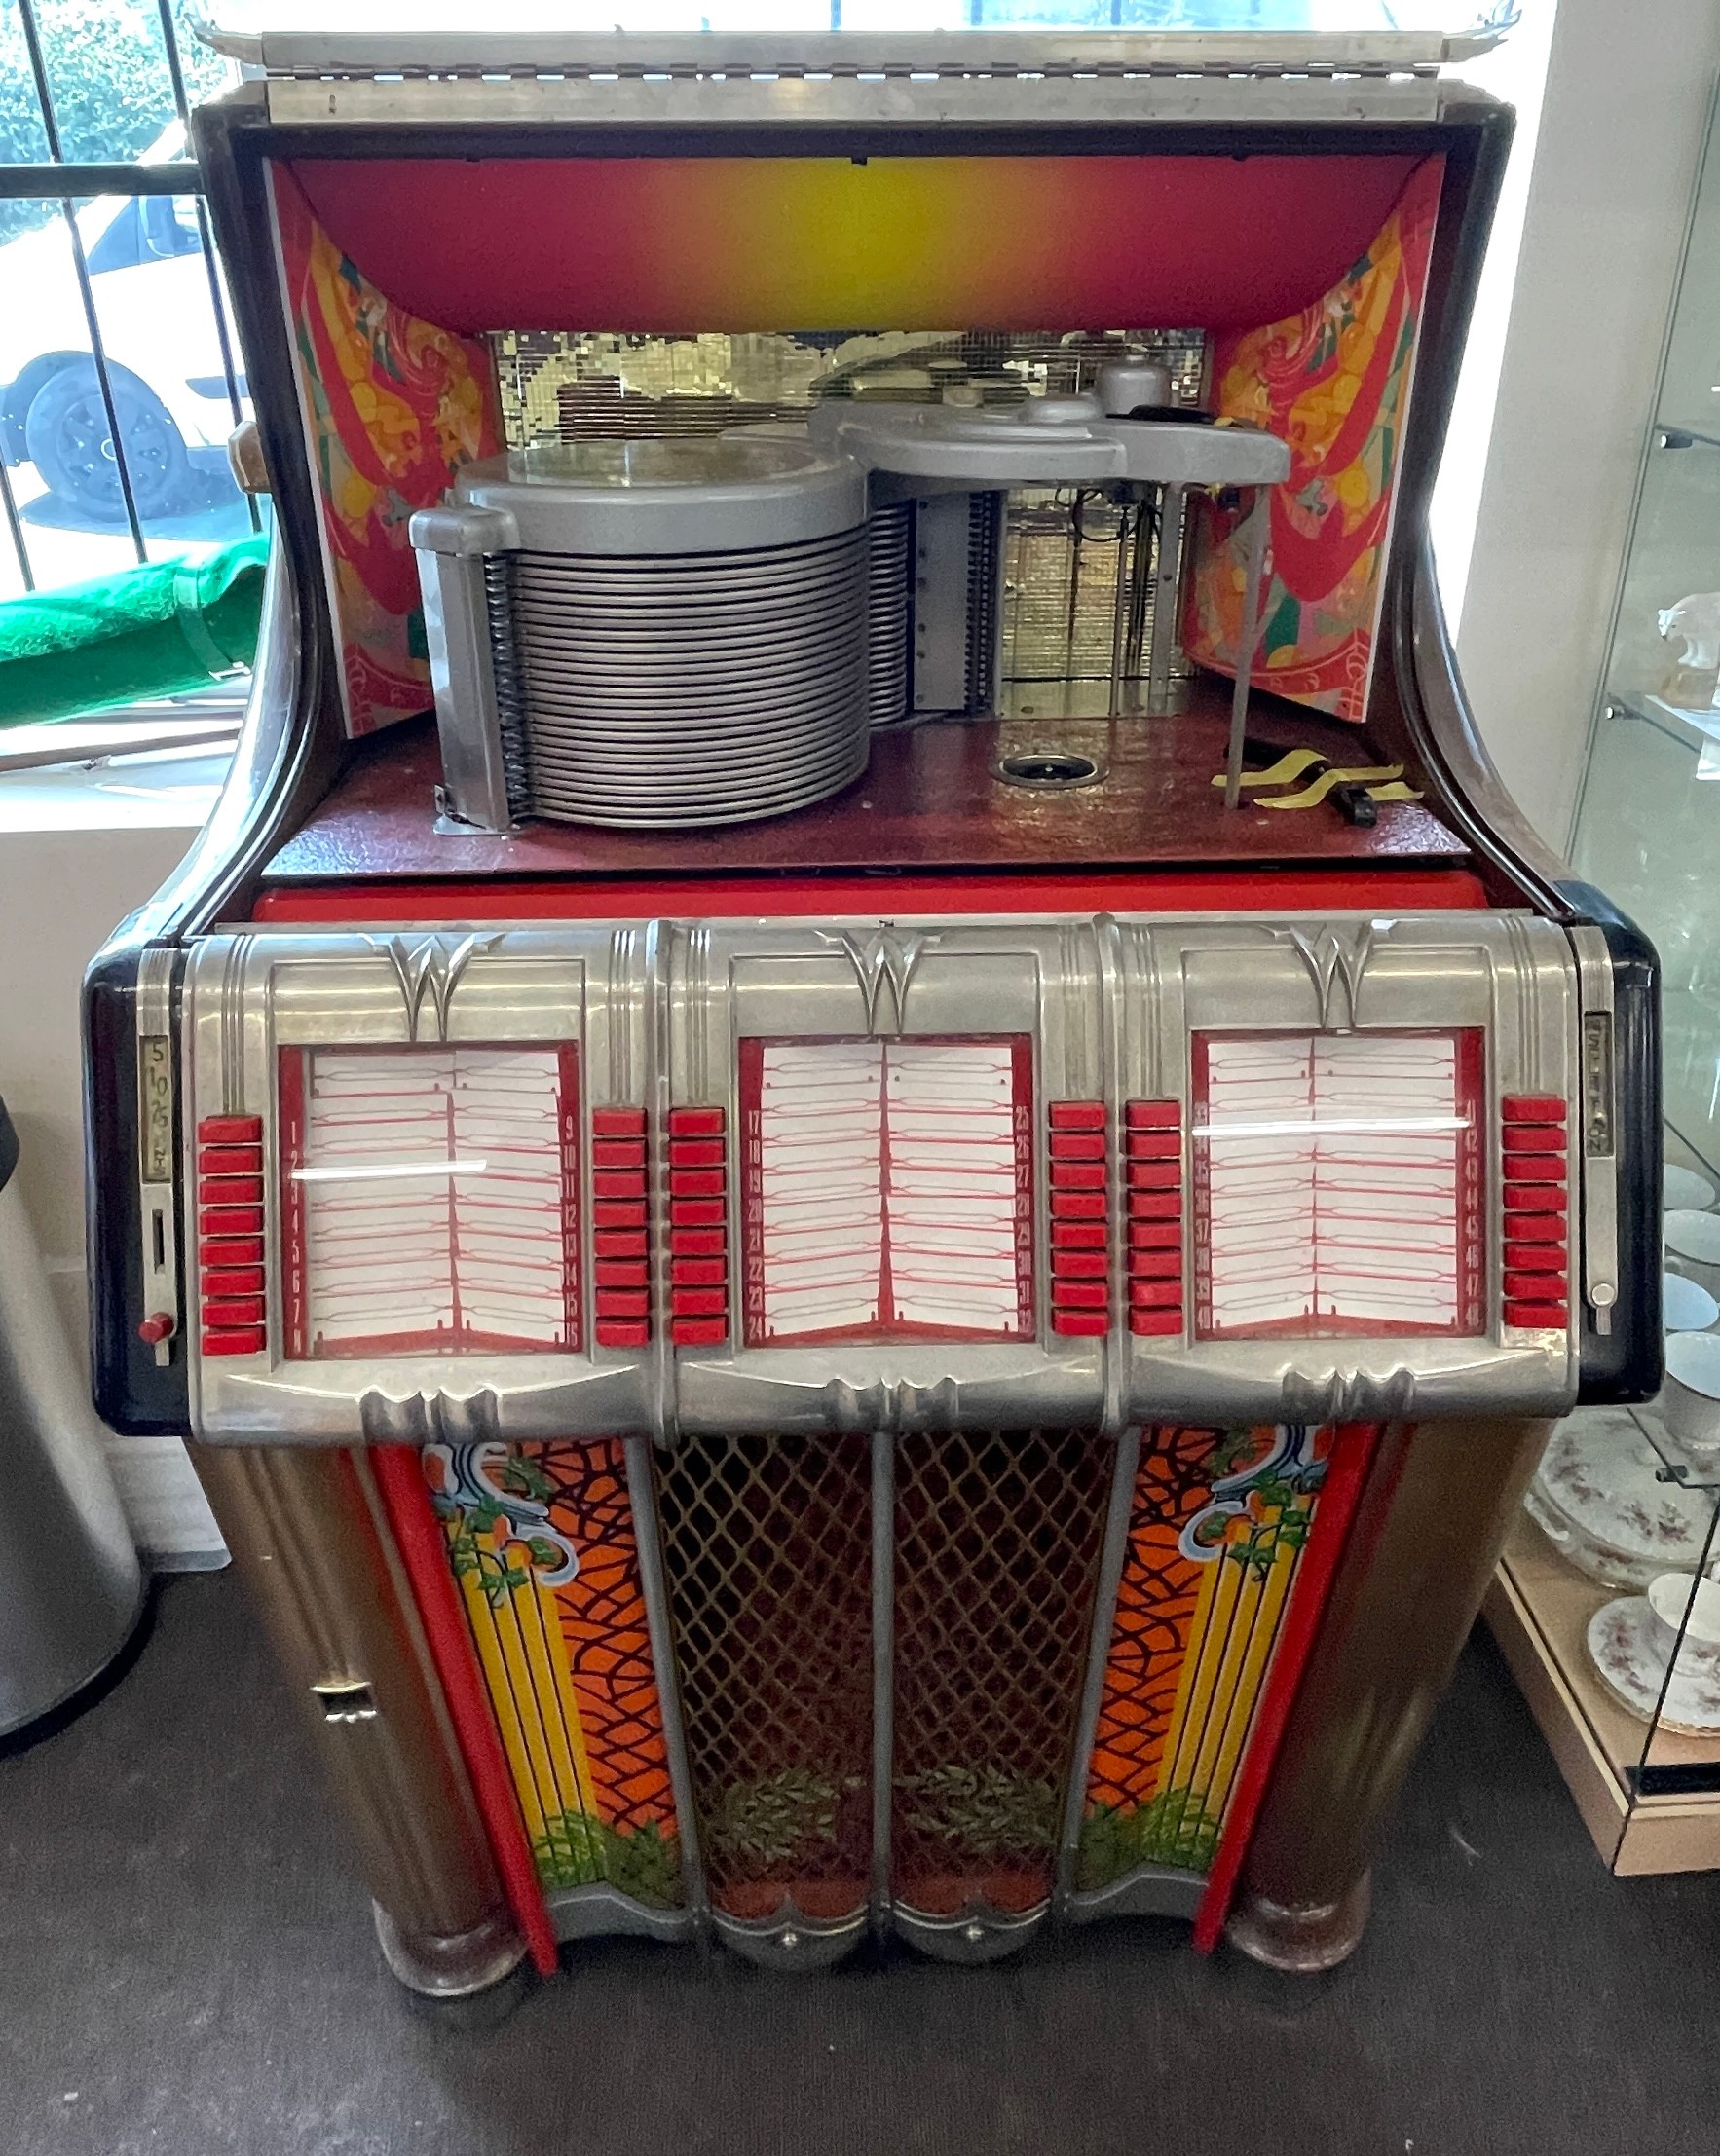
{"points": [[541, 1546]]}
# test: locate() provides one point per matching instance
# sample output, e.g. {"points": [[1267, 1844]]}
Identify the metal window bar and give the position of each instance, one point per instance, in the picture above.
{"points": [[69, 182]]}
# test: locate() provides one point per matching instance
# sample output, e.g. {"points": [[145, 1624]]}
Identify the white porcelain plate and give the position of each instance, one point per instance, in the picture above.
{"points": [[1623, 1645], [1596, 1497]]}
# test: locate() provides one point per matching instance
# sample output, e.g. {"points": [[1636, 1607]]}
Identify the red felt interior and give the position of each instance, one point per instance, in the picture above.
{"points": [[552, 243]]}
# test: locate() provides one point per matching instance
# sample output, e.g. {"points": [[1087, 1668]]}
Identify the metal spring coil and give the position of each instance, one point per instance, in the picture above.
{"points": [[677, 691], [889, 628]]}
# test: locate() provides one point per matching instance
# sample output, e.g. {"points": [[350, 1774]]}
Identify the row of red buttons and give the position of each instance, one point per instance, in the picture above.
{"points": [[698, 1227], [1152, 1169], [234, 1306], [1536, 1210], [620, 1236], [1080, 1218]]}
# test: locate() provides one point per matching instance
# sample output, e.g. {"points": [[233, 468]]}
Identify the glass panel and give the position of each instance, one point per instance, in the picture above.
{"points": [[150, 282], [241, 17], [109, 78]]}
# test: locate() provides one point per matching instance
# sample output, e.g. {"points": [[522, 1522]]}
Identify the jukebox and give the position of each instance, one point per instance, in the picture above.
{"points": [[865, 1151]]}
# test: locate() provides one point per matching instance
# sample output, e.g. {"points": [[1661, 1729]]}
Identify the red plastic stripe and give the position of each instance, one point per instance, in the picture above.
{"points": [[1154, 1174], [1532, 1108], [1155, 1235], [1536, 1168], [1537, 1316], [400, 1477], [697, 1213], [1080, 1325], [697, 1242], [1538, 1227], [1346, 1473], [696, 1153], [1533, 1257], [697, 1182], [1152, 1115], [1531, 1137], [232, 1250], [1076, 1115], [1154, 1145], [1165, 1295], [1535, 1198], [237, 1340], [1529, 1288], [1077, 1146], [1079, 1294], [1078, 1235], [230, 1220], [1077, 1205], [619, 1183], [230, 1160], [230, 1190], [613, 1243], [702, 1272], [1079, 1265], [622, 1302], [1157, 1323], [621, 1332], [1078, 1175], [230, 1130], [618, 1152], [617, 1123], [233, 1310], [1155, 1205], [1164, 1264], [699, 1302], [699, 1331], [232, 1280], [696, 1122]]}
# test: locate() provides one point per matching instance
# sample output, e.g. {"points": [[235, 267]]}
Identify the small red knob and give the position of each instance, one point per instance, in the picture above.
{"points": [[156, 1328]]}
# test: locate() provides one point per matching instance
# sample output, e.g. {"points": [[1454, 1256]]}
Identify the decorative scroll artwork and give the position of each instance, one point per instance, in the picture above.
{"points": [[1218, 1525], [1334, 382], [542, 1546], [393, 406]]}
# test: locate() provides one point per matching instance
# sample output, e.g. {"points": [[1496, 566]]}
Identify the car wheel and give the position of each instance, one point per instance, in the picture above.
{"points": [[70, 443]]}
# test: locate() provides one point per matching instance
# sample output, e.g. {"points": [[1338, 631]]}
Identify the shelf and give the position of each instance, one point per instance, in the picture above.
{"points": [[930, 799], [1691, 729], [1539, 1609]]}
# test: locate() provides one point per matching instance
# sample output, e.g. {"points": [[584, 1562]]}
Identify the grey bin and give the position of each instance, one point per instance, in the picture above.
{"points": [[70, 1585]]}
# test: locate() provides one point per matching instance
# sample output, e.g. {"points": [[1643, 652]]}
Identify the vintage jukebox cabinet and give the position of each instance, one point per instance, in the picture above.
{"points": [[865, 1151]]}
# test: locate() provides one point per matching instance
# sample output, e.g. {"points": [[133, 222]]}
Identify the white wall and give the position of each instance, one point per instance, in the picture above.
{"points": [[78, 853], [1622, 119]]}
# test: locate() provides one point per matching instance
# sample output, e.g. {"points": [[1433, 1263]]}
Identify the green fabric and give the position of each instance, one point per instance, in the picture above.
{"points": [[154, 631]]}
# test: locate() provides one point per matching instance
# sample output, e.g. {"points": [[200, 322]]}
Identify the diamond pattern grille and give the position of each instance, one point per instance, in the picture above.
{"points": [[998, 1546], [766, 1547]]}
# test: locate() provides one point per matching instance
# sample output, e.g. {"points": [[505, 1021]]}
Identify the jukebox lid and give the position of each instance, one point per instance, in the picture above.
{"points": [[699, 495]]}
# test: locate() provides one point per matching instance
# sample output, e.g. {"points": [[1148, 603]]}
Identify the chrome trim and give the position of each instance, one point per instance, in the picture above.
{"points": [[907, 97], [641, 1495], [883, 1672], [1149, 1890], [604, 1912], [1112, 1557], [978, 1934], [788, 1940], [968, 52]]}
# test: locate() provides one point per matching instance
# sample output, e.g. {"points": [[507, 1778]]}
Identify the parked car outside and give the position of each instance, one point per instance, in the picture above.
{"points": [[150, 281]]}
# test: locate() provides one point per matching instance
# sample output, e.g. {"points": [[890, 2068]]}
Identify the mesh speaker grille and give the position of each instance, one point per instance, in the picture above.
{"points": [[766, 1547], [998, 1545]]}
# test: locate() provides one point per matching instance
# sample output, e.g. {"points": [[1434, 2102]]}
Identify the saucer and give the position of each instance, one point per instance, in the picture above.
{"points": [[1596, 1500], [1625, 1649]]}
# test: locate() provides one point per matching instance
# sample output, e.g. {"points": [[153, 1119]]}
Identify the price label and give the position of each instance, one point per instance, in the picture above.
{"points": [[155, 1105]]}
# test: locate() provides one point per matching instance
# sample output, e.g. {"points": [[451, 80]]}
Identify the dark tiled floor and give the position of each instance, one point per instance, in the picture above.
{"points": [[186, 1969]]}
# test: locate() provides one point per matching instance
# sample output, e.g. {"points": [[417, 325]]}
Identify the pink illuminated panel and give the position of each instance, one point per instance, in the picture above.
{"points": [[1337, 1184], [888, 1188], [430, 1199]]}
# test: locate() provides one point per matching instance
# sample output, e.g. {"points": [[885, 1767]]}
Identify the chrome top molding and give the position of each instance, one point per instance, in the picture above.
{"points": [[899, 96], [1112, 1005], [969, 52]]}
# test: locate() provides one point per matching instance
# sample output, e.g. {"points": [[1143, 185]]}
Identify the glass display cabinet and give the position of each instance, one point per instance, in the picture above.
{"points": [[1607, 1603]]}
